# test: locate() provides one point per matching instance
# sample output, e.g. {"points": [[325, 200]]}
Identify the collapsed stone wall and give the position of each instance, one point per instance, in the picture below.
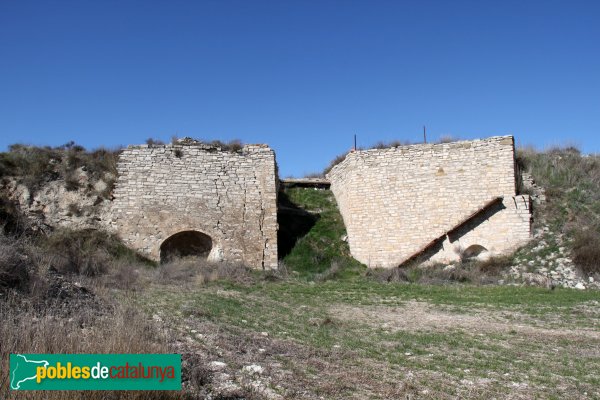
{"points": [[229, 196], [396, 201]]}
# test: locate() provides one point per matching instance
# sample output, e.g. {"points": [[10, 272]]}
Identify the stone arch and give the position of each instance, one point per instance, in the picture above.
{"points": [[475, 251], [186, 243]]}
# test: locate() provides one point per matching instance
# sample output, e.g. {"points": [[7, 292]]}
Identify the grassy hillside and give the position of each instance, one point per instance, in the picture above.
{"points": [[330, 328], [572, 209], [322, 253], [34, 166]]}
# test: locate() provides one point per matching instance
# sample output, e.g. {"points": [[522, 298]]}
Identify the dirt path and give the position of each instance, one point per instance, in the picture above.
{"points": [[419, 316]]}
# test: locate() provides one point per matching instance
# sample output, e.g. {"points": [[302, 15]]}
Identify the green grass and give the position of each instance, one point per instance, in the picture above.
{"points": [[572, 184], [306, 313], [315, 252]]}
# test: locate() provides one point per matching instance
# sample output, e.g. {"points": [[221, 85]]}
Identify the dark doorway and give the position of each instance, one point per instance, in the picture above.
{"points": [[294, 222], [473, 251], [184, 244]]}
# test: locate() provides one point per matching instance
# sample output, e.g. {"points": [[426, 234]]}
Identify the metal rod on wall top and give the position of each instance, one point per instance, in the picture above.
{"points": [[355, 142], [424, 134]]}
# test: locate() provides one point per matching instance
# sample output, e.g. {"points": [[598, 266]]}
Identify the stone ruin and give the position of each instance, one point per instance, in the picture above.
{"points": [[421, 202], [437, 202], [191, 198]]}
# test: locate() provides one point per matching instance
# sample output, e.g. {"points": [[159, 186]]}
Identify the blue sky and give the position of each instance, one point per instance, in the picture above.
{"points": [[302, 76]]}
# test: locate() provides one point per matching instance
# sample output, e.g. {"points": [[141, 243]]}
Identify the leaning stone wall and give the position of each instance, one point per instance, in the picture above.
{"points": [[229, 196], [396, 201]]}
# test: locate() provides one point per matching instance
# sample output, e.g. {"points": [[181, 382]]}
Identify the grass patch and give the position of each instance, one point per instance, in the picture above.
{"points": [[308, 314], [321, 252]]}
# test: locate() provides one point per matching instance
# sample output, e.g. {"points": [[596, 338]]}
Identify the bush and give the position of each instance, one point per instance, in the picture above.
{"points": [[178, 270], [234, 145], [338, 159], [15, 266], [388, 274], [330, 273], [389, 145], [494, 266], [586, 251], [33, 166], [87, 252], [12, 219], [154, 142], [195, 269], [447, 139], [468, 271], [124, 275]]}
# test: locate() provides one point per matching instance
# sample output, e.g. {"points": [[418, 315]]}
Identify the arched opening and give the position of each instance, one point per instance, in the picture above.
{"points": [[474, 251], [184, 244]]}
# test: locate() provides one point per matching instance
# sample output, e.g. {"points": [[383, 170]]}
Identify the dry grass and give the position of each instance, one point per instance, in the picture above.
{"points": [[332, 272], [77, 311], [468, 271], [388, 145], [154, 142], [586, 251], [572, 184], [27, 329], [12, 220], [87, 252], [234, 145], [338, 159], [35, 166], [196, 270], [15, 266]]}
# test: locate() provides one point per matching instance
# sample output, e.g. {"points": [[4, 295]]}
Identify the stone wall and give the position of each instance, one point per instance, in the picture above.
{"points": [[396, 201], [230, 196]]}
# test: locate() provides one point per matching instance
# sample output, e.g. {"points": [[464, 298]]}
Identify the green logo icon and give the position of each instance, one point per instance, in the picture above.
{"points": [[95, 372]]}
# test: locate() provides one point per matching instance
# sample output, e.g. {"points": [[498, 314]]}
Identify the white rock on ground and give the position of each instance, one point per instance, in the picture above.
{"points": [[253, 369], [217, 365]]}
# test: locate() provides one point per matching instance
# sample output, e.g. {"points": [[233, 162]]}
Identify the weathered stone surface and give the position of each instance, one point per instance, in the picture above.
{"points": [[229, 196], [55, 206], [396, 201]]}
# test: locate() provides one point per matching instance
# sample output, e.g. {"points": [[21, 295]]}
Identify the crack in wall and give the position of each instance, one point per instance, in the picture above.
{"points": [[261, 220], [220, 193]]}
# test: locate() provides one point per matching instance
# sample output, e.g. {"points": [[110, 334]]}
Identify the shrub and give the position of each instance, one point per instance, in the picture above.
{"points": [[494, 266], [12, 219], [33, 166], [388, 274], [572, 186], [15, 266], [234, 145], [195, 269], [586, 250], [124, 274], [154, 142], [386, 145], [447, 139], [71, 182], [87, 252], [179, 270], [330, 273], [338, 159], [102, 161]]}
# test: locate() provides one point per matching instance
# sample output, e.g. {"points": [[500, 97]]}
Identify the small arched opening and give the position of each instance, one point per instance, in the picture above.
{"points": [[475, 251], [184, 244]]}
